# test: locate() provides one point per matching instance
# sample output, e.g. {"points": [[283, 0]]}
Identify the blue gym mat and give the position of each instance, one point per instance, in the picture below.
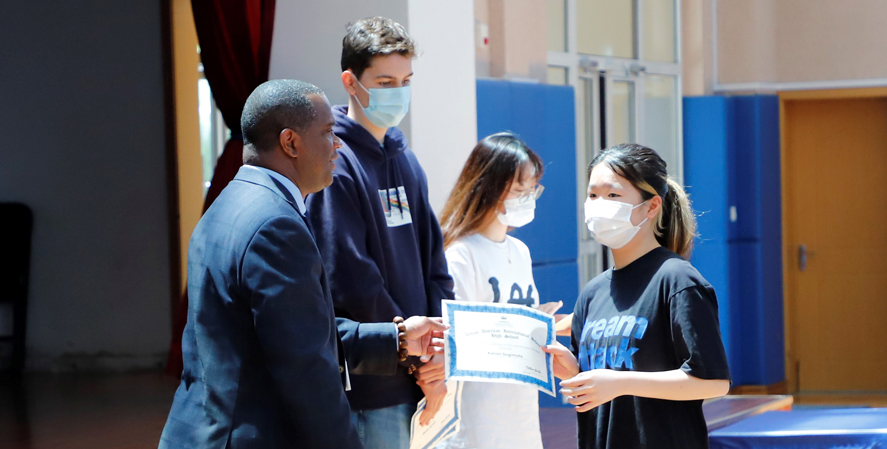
{"points": [[807, 429]]}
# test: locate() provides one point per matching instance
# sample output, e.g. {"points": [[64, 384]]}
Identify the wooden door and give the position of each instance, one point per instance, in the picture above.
{"points": [[835, 205]]}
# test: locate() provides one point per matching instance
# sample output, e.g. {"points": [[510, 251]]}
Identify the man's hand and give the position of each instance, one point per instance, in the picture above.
{"points": [[434, 396], [425, 336]]}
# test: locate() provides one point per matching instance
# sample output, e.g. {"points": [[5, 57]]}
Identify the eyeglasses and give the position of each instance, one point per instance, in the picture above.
{"points": [[533, 194]]}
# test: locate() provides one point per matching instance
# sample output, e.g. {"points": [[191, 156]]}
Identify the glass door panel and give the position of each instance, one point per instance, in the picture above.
{"points": [[557, 25], [659, 30], [558, 76], [621, 120], [605, 27], [661, 120]]}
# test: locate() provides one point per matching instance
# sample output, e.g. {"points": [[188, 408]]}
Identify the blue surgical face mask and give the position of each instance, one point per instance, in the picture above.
{"points": [[387, 106]]}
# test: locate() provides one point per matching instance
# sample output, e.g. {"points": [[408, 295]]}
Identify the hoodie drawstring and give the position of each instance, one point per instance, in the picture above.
{"points": [[387, 182], [398, 183], [388, 167]]}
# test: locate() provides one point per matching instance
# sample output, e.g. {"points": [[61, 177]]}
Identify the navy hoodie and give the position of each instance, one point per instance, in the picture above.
{"points": [[381, 245]]}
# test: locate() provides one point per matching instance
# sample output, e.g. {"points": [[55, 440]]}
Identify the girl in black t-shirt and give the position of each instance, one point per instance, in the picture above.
{"points": [[646, 342]]}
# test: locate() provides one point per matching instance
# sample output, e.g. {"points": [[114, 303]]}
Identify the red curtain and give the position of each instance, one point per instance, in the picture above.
{"points": [[235, 49]]}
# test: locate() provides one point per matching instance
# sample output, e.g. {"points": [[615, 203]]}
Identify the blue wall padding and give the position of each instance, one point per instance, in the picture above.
{"points": [[557, 282], [745, 312], [731, 158], [544, 117], [772, 306], [745, 174], [705, 177]]}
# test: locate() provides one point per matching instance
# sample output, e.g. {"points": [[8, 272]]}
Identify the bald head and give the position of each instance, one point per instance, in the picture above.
{"points": [[274, 106]]}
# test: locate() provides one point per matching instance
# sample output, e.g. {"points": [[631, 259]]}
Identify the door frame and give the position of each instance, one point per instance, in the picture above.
{"points": [[583, 71], [790, 306]]}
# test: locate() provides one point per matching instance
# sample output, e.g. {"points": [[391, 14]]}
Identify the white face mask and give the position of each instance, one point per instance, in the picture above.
{"points": [[610, 222], [518, 212]]}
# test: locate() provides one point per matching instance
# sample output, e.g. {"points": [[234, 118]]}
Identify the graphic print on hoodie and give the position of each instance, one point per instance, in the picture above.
{"points": [[396, 206], [382, 246]]}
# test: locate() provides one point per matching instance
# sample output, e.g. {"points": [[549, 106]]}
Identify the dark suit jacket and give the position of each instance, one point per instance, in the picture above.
{"points": [[262, 354]]}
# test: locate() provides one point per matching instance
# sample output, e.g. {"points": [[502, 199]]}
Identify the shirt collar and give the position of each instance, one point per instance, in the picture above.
{"points": [[294, 190]]}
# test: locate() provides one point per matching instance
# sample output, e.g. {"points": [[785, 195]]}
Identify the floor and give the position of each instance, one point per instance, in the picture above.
{"points": [[805, 399], [84, 411], [127, 411]]}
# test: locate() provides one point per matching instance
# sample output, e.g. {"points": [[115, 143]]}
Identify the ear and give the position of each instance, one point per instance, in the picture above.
{"points": [[348, 82], [655, 207], [291, 142]]}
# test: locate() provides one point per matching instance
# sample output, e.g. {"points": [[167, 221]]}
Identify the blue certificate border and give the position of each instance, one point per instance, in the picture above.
{"points": [[448, 428], [451, 307]]}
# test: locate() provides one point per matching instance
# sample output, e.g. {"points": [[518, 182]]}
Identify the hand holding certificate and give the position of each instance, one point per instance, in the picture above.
{"points": [[492, 342]]}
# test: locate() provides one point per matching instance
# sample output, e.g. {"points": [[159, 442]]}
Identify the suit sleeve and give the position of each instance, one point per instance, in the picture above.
{"points": [[281, 273], [355, 280], [370, 348]]}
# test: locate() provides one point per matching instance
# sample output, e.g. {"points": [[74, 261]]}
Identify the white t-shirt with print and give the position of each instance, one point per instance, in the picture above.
{"points": [[495, 415]]}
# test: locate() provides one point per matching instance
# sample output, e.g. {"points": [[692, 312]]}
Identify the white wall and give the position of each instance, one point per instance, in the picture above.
{"points": [[444, 105], [82, 121], [770, 45], [696, 47], [442, 124], [307, 42]]}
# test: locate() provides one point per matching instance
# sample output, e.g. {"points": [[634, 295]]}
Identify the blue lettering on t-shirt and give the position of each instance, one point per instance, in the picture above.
{"points": [[517, 293], [495, 284], [623, 355], [517, 296], [595, 354], [597, 330], [611, 327], [600, 358]]}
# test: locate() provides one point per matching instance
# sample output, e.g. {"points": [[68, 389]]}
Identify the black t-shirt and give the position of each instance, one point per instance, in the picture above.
{"points": [[656, 314]]}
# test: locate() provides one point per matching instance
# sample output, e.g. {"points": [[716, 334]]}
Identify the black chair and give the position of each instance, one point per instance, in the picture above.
{"points": [[16, 223]]}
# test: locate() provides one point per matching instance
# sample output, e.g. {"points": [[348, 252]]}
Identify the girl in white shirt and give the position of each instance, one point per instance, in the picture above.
{"points": [[497, 190]]}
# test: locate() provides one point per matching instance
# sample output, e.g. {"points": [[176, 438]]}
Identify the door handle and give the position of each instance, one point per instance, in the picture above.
{"points": [[803, 254]]}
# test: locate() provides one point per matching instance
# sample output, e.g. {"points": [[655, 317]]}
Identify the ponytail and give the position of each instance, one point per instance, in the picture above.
{"points": [[676, 225]]}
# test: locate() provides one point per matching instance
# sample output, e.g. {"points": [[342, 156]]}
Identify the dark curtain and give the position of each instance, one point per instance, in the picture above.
{"points": [[235, 49]]}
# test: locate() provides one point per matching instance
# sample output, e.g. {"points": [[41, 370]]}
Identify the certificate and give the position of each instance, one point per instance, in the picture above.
{"points": [[491, 342], [444, 424]]}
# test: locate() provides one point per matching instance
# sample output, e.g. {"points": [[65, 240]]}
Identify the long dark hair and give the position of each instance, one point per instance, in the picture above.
{"points": [[493, 165], [675, 225]]}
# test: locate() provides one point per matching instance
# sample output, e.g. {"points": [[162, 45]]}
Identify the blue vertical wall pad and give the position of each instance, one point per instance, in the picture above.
{"points": [[731, 158], [544, 117]]}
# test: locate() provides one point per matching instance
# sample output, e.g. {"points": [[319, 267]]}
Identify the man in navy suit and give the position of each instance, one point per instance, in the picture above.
{"points": [[264, 364]]}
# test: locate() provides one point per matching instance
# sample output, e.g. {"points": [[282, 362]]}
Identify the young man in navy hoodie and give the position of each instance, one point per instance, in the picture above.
{"points": [[381, 243]]}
